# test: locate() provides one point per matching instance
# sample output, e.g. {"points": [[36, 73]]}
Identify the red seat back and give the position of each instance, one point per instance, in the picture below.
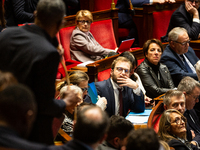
{"points": [[103, 33], [161, 22], [65, 34]]}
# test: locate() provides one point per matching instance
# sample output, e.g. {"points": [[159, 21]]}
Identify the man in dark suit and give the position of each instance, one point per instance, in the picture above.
{"points": [[118, 130], [19, 11], [178, 56], [89, 129], [191, 89], [175, 99], [186, 16], [30, 53], [17, 113], [122, 93]]}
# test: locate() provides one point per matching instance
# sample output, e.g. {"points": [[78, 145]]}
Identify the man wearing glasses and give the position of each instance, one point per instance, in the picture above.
{"points": [[122, 93], [178, 56], [186, 16]]}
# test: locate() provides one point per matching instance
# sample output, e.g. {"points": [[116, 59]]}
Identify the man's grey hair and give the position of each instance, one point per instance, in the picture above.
{"points": [[172, 93], [175, 32], [75, 88], [50, 12], [188, 84]]}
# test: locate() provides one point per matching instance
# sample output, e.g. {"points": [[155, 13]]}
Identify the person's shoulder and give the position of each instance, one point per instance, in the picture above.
{"points": [[102, 83], [142, 66]]}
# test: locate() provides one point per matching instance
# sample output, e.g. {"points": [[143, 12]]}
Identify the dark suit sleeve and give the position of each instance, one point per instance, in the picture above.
{"points": [[137, 104], [177, 145], [19, 9], [175, 70], [44, 86], [179, 20]]}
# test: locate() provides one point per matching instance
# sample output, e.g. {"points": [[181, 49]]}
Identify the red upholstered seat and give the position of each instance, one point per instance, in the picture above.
{"points": [[106, 4], [104, 75], [154, 118], [161, 22], [103, 33], [156, 122], [64, 38]]}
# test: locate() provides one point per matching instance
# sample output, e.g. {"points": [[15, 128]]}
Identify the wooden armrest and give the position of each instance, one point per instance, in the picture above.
{"points": [[64, 135]]}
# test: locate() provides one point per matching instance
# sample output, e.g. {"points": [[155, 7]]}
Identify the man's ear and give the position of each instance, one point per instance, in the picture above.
{"points": [[116, 141], [165, 106], [111, 72], [172, 44]]}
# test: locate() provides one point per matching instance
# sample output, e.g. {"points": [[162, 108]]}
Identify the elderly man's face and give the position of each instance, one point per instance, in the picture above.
{"points": [[177, 103], [192, 98], [181, 45]]}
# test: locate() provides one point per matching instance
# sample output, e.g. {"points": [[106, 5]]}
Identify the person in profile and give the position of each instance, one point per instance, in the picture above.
{"points": [[17, 114], [118, 131], [30, 53]]}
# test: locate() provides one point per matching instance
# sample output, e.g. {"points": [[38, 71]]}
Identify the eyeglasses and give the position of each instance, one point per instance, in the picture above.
{"points": [[120, 69], [195, 97], [84, 21], [184, 43], [178, 121], [84, 89]]}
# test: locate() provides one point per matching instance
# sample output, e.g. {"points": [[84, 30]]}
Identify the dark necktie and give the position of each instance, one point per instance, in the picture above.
{"points": [[120, 103], [189, 70]]}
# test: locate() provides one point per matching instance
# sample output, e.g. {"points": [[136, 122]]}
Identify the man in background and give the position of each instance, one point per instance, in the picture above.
{"points": [[118, 131]]}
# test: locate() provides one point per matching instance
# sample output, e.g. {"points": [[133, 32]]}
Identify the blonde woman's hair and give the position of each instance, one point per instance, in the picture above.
{"points": [[84, 13]]}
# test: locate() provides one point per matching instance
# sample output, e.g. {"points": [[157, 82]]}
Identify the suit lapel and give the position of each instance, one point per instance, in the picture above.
{"points": [[111, 95]]}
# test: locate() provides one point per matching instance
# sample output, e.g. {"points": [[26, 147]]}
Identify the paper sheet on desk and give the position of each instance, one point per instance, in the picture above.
{"points": [[85, 63], [137, 119]]}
